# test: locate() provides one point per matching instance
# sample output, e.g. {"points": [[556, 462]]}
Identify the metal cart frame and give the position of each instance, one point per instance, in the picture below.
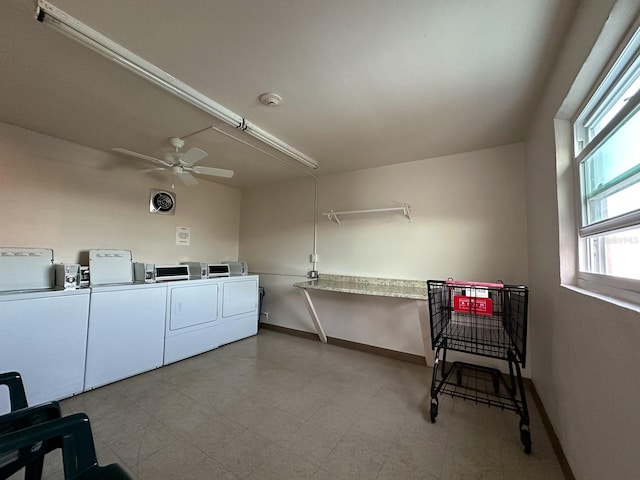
{"points": [[484, 319]]}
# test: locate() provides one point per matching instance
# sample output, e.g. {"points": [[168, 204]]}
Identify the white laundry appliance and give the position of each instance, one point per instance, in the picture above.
{"points": [[239, 316], [126, 320], [126, 332], [43, 336], [192, 313], [43, 331]]}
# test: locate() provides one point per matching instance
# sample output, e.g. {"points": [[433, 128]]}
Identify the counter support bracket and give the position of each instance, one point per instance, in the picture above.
{"points": [[313, 314]]}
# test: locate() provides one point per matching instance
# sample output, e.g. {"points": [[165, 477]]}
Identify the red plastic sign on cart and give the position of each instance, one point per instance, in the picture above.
{"points": [[481, 306]]}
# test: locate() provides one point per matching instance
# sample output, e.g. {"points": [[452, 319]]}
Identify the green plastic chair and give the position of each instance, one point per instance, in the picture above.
{"points": [[73, 435], [22, 416], [31, 457], [17, 395]]}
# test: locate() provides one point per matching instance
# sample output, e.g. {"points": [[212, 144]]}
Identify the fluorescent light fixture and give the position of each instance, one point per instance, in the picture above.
{"points": [[53, 16], [273, 142]]}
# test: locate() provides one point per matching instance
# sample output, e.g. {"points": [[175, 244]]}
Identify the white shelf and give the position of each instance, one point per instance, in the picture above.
{"points": [[335, 216]]}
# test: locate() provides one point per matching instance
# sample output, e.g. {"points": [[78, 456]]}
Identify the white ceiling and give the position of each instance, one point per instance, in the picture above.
{"points": [[365, 83]]}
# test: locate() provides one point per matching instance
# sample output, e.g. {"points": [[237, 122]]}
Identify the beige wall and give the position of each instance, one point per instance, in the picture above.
{"points": [[584, 349], [276, 239], [70, 198], [468, 219], [468, 222], [276, 230]]}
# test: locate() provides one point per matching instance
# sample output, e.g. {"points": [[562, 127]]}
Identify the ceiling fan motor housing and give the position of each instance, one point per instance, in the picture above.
{"points": [[176, 143], [162, 202]]}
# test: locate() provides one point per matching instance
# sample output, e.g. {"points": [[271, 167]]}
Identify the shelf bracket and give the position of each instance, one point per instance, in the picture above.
{"points": [[332, 216], [407, 211]]}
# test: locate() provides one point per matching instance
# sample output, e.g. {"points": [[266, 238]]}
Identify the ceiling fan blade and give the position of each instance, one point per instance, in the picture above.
{"points": [[217, 172], [140, 155], [187, 178], [149, 170], [192, 156]]}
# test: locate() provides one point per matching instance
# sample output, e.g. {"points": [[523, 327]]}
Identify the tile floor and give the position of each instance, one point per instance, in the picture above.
{"points": [[281, 407]]}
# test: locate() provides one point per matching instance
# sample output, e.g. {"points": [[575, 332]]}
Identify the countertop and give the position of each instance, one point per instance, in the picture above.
{"points": [[381, 287]]}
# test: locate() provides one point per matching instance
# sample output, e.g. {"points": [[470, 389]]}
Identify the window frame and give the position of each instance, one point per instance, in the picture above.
{"points": [[622, 72]]}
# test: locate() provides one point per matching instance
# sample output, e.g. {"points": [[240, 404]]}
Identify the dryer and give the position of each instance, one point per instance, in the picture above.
{"points": [[192, 314], [239, 300]]}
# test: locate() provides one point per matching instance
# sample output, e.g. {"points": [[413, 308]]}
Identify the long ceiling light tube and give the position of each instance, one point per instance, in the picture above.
{"points": [[273, 142], [97, 42], [65, 23], [256, 148], [250, 145]]}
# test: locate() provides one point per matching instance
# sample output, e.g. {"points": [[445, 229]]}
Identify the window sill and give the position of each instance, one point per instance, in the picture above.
{"points": [[627, 300]]}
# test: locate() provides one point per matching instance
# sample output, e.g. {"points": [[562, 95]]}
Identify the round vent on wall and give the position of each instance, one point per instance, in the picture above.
{"points": [[162, 202]]}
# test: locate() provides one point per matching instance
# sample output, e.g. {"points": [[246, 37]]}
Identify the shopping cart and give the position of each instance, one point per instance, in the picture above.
{"points": [[485, 319]]}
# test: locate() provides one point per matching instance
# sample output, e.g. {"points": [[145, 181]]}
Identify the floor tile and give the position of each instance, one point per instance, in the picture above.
{"points": [[395, 470], [422, 445], [122, 421], [140, 444], [278, 426], [312, 442], [335, 416], [250, 411], [353, 459], [323, 474], [472, 458], [245, 453], [303, 404], [171, 462], [283, 465], [275, 407], [376, 434]]}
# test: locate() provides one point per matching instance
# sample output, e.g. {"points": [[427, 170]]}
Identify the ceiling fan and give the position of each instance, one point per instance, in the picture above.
{"points": [[181, 164]]}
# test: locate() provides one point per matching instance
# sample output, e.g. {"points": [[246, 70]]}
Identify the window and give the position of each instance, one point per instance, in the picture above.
{"points": [[607, 162]]}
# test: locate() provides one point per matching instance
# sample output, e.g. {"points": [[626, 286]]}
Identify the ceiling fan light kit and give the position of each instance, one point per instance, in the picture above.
{"points": [[53, 16]]}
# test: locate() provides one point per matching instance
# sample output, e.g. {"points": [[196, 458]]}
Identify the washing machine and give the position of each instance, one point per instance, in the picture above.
{"points": [[43, 331], [126, 331], [43, 336]]}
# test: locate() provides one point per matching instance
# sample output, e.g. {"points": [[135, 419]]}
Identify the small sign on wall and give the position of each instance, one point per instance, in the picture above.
{"points": [[183, 236]]}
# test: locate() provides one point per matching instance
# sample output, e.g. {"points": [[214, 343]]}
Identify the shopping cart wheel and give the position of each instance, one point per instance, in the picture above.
{"points": [[434, 410], [525, 437]]}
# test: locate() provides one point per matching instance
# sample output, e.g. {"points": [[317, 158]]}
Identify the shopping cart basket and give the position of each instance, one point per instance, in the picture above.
{"points": [[485, 319]]}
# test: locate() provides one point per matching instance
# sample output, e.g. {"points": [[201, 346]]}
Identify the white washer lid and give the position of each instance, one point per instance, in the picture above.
{"points": [[110, 266], [25, 268]]}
